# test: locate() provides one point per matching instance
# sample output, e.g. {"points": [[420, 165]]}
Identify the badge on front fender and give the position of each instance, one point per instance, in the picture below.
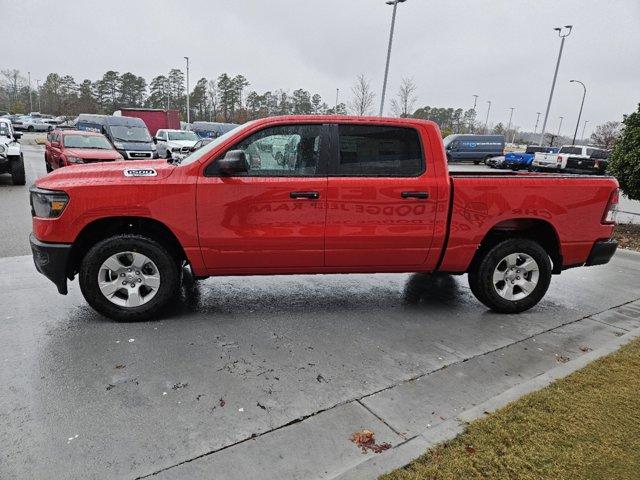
{"points": [[140, 172]]}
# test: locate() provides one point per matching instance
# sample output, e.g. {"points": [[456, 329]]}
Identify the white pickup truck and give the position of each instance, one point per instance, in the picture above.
{"points": [[11, 159], [572, 158]]}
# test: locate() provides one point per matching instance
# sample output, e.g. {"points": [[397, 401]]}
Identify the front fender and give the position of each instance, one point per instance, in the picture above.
{"points": [[13, 150]]}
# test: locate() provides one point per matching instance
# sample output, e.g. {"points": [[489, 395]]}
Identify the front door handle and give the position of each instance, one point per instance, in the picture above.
{"points": [[310, 195], [415, 195]]}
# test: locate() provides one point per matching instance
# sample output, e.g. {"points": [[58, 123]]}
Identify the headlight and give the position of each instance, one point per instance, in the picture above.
{"points": [[118, 145], [47, 203], [72, 159], [2, 149]]}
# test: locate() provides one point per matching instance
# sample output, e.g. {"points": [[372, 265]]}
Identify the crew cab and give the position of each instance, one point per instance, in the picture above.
{"points": [[73, 147], [357, 195], [572, 158]]}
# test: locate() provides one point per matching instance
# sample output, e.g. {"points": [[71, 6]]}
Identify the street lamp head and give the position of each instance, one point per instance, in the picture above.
{"points": [[560, 29], [393, 2]]}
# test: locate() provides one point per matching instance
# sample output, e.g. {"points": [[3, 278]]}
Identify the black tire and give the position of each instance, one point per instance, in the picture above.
{"points": [[483, 267], [30, 128], [47, 165], [167, 154], [17, 170], [168, 269], [477, 162]]}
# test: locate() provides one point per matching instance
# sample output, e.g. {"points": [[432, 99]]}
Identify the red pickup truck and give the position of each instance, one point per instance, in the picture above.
{"points": [[348, 195]]}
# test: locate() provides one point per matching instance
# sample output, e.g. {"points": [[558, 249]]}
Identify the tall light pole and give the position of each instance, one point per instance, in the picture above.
{"points": [[39, 102], [535, 129], [584, 127], [30, 96], [560, 126], [563, 34], [584, 94], [475, 101], [386, 69], [337, 93], [486, 121], [510, 118], [188, 112]]}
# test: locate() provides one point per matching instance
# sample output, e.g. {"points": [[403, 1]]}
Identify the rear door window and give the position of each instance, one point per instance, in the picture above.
{"points": [[378, 151]]}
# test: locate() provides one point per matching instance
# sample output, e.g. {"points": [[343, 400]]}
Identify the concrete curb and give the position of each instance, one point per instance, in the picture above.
{"points": [[404, 453]]}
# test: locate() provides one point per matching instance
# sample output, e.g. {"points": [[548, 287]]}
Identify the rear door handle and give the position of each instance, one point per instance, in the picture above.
{"points": [[310, 195], [415, 194]]}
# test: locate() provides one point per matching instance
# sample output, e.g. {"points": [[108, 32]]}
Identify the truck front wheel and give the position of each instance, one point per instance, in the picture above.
{"points": [[17, 170], [129, 277], [512, 276]]}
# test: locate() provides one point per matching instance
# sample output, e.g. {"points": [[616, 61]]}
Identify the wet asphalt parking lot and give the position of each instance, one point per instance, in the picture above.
{"points": [[267, 377]]}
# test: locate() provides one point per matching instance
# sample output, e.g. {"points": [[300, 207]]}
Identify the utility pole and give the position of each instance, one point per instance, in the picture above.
{"points": [[535, 129], [337, 93], [584, 127], [188, 110], [486, 121], [386, 70], [475, 100], [30, 96], [563, 36], [584, 94]]}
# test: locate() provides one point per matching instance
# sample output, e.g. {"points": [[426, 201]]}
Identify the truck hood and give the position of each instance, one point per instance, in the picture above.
{"points": [[181, 143], [121, 172], [93, 153]]}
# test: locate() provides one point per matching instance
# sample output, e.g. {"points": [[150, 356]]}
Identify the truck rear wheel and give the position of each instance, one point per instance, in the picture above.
{"points": [[129, 277], [512, 276], [17, 171]]}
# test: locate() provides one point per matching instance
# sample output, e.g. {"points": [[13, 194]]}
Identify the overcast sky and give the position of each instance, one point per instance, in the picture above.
{"points": [[502, 50]]}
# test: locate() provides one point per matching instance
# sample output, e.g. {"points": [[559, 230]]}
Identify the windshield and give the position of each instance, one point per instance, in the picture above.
{"points": [[4, 130], [204, 151], [448, 139], [183, 136], [123, 133], [86, 141]]}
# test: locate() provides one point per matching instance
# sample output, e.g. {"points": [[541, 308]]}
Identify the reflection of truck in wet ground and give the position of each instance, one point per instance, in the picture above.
{"points": [[128, 135]]}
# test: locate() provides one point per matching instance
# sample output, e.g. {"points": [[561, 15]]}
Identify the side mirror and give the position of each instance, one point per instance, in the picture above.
{"points": [[155, 140], [55, 144], [17, 135], [235, 161]]}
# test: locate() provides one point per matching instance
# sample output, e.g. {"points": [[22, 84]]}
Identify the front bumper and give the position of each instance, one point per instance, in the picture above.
{"points": [[51, 260], [601, 252]]}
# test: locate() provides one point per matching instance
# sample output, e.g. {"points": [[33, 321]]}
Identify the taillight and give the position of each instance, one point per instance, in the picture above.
{"points": [[610, 213], [559, 160]]}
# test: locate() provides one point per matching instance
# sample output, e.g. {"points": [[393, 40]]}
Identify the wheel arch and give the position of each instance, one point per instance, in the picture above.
{"points": [[106, 227], [534, 229]]}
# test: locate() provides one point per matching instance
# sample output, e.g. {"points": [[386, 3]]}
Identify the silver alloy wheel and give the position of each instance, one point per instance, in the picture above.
{"points": [[516, 276], [128, 279]]}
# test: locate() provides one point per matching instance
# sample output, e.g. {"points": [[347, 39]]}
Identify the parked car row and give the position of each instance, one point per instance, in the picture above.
{"points": [[573, 159]]}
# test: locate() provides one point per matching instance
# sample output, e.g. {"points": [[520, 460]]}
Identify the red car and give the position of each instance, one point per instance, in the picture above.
{"points": [[358, 195], [72, 147]]}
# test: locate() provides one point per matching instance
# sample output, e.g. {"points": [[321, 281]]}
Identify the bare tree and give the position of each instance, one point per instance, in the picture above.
{"points": [[363, 96], [403, 104], [606, 134], [12, 81]]}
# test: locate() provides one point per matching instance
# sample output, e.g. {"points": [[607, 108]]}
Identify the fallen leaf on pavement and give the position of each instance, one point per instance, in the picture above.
{"points": [[222, 402], [366, 440], [120, 366], [562, 359], [585, 348]]}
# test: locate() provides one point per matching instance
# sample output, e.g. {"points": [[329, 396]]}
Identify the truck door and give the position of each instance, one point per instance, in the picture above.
{"points": [[382, 198], [272, 216]]}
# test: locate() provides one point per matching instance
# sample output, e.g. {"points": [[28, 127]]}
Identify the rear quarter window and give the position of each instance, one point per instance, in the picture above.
{"points": [[376, 150]]}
